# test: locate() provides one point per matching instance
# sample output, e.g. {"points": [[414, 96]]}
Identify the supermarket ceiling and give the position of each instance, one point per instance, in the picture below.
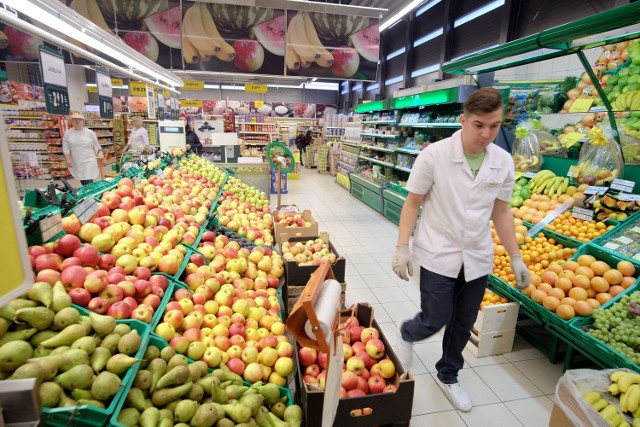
{"points": [[392, 6]]}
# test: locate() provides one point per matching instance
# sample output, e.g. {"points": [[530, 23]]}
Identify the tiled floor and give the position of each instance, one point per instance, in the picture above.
{"points": [[515, 389]]}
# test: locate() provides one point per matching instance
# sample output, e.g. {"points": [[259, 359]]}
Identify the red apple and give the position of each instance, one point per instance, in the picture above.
{"points": [[67, 244], [120, 310], [375, 348], [159, 280], [96, 281], [73, 277], [112, 293], [68, 262], [387, 368], [142, 313], [307, 356], [349, 380], [312, 370], [106, 262], [48, 276], [48, 262], [376, 384], [152, 300], [131, 301], [80, 296], [142, 273], [128, 288], [88, 255], [98, 305], [369, 333], [390, 388], [362, 384], [249, 55]]}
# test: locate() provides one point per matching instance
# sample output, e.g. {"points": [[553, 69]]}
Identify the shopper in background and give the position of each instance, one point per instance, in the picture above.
{"points": [[139, 137], [462, 182], [81, 150], [301, 145], [193, 142]]}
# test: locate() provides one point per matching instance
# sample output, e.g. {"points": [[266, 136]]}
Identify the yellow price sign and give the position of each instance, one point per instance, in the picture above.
{"points": [[255, 88], [92, 89], [166, 93], [193, 85], [571, 139], [581, 105], [191, 103], [116, 82], [138, 89], [258, 104]]}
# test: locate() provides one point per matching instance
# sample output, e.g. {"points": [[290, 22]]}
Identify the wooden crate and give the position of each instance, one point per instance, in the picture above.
{"points": [[292, 293]]}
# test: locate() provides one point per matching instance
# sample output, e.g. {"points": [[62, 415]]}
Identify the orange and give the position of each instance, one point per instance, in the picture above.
{"points": [[581, 281], [627, 281], [599, 284], [593, 302], [565, 311], [538, 295], [603, 297], [556, 292], [586, 260], [599, 267], [583, 308], [626, 268], [549, 277], [584, 271], [615, 290], [564, 284], [568, 301], [551, 303], [570, 265], [613, 276], [578, 294]]}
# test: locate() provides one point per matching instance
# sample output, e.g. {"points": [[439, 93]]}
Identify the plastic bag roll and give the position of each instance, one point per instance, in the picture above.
{"points": [[326, 306]]}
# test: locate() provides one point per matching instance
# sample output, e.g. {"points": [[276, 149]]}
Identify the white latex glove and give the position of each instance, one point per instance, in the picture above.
{"points": [[402, 263], [523, 276]]}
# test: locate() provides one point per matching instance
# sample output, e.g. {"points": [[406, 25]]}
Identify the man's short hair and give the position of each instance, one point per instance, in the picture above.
{"points": [[483, 101]]}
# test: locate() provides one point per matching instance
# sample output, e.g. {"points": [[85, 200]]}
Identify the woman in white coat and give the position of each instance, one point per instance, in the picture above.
{"points": [[139, 137], [81, 150]]}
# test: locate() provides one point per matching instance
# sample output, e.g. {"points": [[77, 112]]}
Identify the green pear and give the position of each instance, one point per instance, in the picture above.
{"points": [[207, 383], [218, 395], [22, 335], [293, 415], [13, 354], [278, 409], [42, 336], [166, 395], [165, 422], [105, 386], [65, 401], [73, 357], [91, 402], [129, 417], [4, 326], [166, 414], [103, 325], [150, 417], [119, 363], [253, 402], [110, 342], [143, 379], [60, 298], [198, 370], [65, 317], [235, 391], [41, 352], [99, 358], [185, 410], [41, 292], [130, 343], [86, 322], [157, 367], [87, 344], [275, 421], [176, 376], [171, 406], [271, 393], [60, 350], [196, 393], [225, 375], [206, 416], [237, 412], [167, 353], [122, 329], [77, 377], [67, 336], [225, 422], [49, 368], [8, 311], [135, 399], [152, 352], [28, 370], [177, 360], [79, 394], [37, 317], [49, 394]]}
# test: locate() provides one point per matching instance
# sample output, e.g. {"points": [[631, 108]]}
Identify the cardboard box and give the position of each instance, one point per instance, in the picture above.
{"points": [[310, 231], [491, 343], [497, 317], [297, 275], [558, 418], [386, 408]]}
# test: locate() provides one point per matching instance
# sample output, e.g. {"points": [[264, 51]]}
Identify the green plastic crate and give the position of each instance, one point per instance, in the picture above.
{"points": [[624, 229], [215, 223], [579, 242], [87, 415]]}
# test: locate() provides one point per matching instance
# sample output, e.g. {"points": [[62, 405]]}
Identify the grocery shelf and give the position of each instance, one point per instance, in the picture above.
{"points": [[25, 117], [406, 151], [10, 139], [380, 135], [335, 127], [400, 168], [372, 147], [431, 125], [100, 127], [390, 165], [380, 122], [28, 127], [254, 133], [351, 143]]}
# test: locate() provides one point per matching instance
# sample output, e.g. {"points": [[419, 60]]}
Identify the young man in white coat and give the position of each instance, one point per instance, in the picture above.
{"points": [[461, 183]]}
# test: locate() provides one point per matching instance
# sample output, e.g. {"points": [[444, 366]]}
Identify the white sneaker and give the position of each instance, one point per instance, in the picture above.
{"points": [[403, 349], [456, 395]]}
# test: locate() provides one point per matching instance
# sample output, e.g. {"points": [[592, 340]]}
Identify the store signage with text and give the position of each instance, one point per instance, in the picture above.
{"points": [[137, 88], [92, 89], [54, 79], [116, 82], [193, 85], [191, 103], [255, 88]]}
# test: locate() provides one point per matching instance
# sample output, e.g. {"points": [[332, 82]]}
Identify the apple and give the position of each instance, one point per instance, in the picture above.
{"points": [[180, 344], [96, 281], [71, 224], [249, 354], [192, 321], [66, 245], [253, 372], [349, 380], [312, 370], [119, 310], [222, 342], [131, 301], [284, 349], [369, 333], [390, 388], [68, 262], [48, 276], [106, 262], [169, 264], [80, 296], [376, 384], [165, 330], [322, 360], [387, 368], [142, 273], [48, 261], [308, 379], [88, 255], [111, 199], [128, 262], [103, 242], [174, 317], [88, 231], [152, 300], [113, 294], [268, 356], [159, 280], [143, 288], [98, 305], [355, 364], [197, 259], [196, 350], [363, 384], [356, 392], [368, 360], [347, 350], [237, 366], [375, 348]]}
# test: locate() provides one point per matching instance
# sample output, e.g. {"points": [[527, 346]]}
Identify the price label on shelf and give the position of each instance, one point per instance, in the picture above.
{"points": [[529, 175], [624, 240], [160, 173], [571, 139], [611, 245], [50, 226], [582, 213], [581, 106], [86, 209], [136, 181], [624, 197], [593, 190], [623, 185]]}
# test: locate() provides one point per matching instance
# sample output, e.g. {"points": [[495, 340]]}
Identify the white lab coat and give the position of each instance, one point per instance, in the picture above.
{"points": [[83, 147], [453, 229], [138, 139]]}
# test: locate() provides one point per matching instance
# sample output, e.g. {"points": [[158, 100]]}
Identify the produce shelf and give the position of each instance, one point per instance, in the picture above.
{"points": [[377, 161], [405, 151], [373, 147], [380, 122], [378, 135], [431, 125]]}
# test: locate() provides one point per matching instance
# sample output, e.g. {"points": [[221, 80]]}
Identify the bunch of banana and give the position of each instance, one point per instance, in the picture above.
{"points": [[303, 44], [524, 163], [201, 39], [627, 101], [626, 386], [607, 410], [546, 182], [90, 10]]}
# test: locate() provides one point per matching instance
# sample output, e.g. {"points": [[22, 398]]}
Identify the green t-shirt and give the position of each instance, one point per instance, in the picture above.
{"points": [[475, 161]]}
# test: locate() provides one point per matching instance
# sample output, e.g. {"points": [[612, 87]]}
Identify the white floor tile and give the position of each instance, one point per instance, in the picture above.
{"points": [[507, 382], [534, 412], [490, 415], [379, 280], [541, 372], [401, 310], [522, 350], [473, 361], [371, 269], [438, 419], [412, 291], [355, 296], [427, 396], [478, 390], [390, 294], [429, 353], [355, 282], [380, 314]]}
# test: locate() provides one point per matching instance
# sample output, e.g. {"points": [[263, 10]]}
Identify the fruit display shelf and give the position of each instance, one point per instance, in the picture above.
{"points": [[215, 226], [623, 240], [607, 222]]}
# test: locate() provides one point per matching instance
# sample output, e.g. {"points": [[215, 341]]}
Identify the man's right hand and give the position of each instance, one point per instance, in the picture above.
{"points": [[402, 263]]}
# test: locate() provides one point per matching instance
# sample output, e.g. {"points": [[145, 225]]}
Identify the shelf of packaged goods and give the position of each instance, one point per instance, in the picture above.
{"points": [[260, 123], [431, 125], [351, 143], [42, 150], [335, 127], [405, 151], [256, 143], [373, 147], [28, 127], [11, 139], [403, 169], [254, 132], [379, 122], [100, 127], [105, 144], [25, 117], [377, 135], [380, 162]]}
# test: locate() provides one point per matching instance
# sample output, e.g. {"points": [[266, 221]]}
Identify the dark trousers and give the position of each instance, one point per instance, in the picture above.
{"points": [[451, 302], [86, 181], [303, 151]]}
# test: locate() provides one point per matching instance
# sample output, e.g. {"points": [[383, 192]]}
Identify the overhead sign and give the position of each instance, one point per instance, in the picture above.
{"points": [[191, 103], [116, 82], [193, 85], [105, 92], [54, 78], [166, 93], [92, 89], [137, 88], [161, 106], [255, 88], [151, 102]]}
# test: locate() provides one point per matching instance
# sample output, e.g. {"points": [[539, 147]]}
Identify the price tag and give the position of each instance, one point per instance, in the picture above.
{"points": [[611, 245], [86, 209], [624, 240], [572, 138], [529, 175], [50, 227], [581, 105], [593, 190], [628, 197], [160, 173], [136, 181], [598, 109], [583, 214], [623, 185]]}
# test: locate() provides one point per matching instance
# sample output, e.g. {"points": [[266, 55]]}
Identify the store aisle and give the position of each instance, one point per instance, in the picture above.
{"points": [[516, 389]]}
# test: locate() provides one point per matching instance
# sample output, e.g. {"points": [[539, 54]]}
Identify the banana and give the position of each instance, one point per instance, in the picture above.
{"points": [[592, 397], [291, 57], [633, 401], [543, 184], [609, 412], [81, 8], [189, 53], [326, 58], [553, 186], [539, 176], [613, 389], [627, 379], [298, 38], [623, 399], [563, 187], [193, 29], [95, 14], [636, 422], [624, 423], [600, 405], [226, 53]]}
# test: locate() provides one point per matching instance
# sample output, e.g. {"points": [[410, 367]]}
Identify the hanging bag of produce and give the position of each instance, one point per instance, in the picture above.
{"points": [[549, 144], [630, 140], [525, 150], [600, 159]]}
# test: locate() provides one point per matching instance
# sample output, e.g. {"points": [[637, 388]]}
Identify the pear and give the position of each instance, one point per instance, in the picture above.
{"points": [[185, 410], [66, 337], [103, 325], [22, 335], [122, 329], [181, 425], [225, 422], [49, 368], [278, 409], [166, 414], [235, 391], [99, 358], [42, 352], [176, 376], [49, 394], [129, 417], [4, 326], [91, 402], [165, 422], [105, 386], [275, 421], [73, 357], [42, 336], [60, 350], [237, 412], [77, 377], [41, 292], [253, 402], [171, 406], [271, 393], [65, 317], [167, 353], [130, 343], [135, 399], [86, 322], [79, 394], [65, 401], [152, 352], [87, 344], [8, 311], [225, 375], [166, 395], [60, 298], [13, 354], [177, 360], [198, 370], [110, 342], [196, 393], [218, 395], [29, 370], [293, 415], [37, 317], [150, 417], [143, 379], [207, 383], [119, 363], [206, 416], [157, 367]]}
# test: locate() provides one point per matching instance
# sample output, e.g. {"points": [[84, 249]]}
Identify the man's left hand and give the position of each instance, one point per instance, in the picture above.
{"points": [[520, 270]]}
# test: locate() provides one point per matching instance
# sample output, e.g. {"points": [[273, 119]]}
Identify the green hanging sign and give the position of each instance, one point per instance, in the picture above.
{"points": [[278, 149], [54, 78]]}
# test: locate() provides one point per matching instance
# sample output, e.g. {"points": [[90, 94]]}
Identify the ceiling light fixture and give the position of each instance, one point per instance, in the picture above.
{"points": [[398, 16]]}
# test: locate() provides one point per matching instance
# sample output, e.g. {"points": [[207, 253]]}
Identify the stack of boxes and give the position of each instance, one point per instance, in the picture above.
{"points": [[494, 330]]}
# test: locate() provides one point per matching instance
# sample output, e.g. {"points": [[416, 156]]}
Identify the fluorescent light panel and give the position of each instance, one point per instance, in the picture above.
{"points": [[425, 70], [432, 35], [226, 87], [373, 87], [398, 16], [396, 53], [393, 80], [356, 87], [426, 7], [478, 12]]}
